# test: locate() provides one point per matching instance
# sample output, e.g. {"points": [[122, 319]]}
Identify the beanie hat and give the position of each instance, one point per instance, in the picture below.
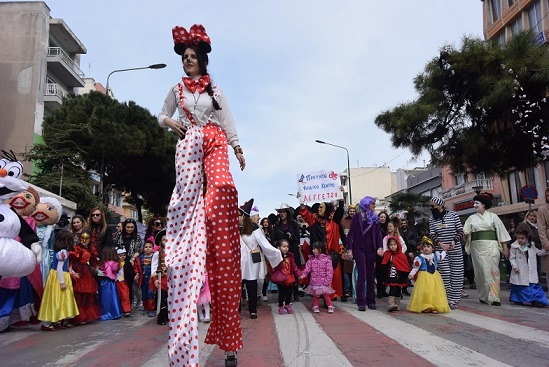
{"points": [[437, 201]]}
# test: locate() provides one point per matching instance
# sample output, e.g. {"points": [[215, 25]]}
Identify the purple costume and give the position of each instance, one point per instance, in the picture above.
{"points": [[364, 239]]}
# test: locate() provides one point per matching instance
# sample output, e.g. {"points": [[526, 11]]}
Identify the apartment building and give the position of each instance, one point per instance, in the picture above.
{"points": [[39, 65], [502, 19]]}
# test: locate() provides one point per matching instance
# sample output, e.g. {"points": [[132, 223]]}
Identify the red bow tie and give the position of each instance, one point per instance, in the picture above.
{"points": [[199, 84]]}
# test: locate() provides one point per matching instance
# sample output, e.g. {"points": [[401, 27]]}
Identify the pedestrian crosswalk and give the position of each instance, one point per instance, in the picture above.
{"points": [[474, 335]]}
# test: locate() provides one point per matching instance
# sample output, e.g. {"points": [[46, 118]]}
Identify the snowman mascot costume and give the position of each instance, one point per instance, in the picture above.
{"points": [[17, 259]]}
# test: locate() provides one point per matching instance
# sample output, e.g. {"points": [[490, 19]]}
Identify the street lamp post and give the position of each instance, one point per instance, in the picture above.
{"points": [[153, 66], [348, 167], [102, 173]]}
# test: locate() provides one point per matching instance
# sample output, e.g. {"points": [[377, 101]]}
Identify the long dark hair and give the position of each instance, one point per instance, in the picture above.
{"points": [[109, 254], [64, 240], [269, 228], [78, 216], [247, 225], [320, 246], [102, 227], [125, 233], [202, 58]]}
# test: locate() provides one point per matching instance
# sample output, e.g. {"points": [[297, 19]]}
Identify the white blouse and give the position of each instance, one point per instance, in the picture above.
{"points": [[201, 108], [257, 240]]}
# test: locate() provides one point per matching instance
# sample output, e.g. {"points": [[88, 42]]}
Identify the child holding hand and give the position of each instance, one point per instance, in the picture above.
{"points": [[284, 276], [321, 270]]}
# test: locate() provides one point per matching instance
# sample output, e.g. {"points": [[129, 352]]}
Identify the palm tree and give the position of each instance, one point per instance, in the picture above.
{"points": [[411, 203]]}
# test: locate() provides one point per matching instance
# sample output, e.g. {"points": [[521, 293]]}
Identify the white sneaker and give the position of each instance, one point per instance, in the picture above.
{"points": [[265, 299]]}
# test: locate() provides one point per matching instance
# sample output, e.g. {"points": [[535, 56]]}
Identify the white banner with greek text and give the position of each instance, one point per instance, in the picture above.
{"points": [[319, 186]]}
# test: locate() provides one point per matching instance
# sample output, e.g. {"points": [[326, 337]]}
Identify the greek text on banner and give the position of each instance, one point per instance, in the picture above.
{"points": [[318, 186]]}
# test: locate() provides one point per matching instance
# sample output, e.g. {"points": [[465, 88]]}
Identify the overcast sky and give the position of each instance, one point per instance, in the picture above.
{"points": [[293, 71]]}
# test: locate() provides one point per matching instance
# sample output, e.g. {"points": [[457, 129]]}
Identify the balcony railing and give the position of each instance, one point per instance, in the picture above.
{"points": [[54, 89], [486, 183], [57, 51]]}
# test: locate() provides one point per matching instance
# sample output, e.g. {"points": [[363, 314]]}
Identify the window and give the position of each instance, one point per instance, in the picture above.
{"points": [[516, 26], [534, 18], [461, 179], [514, 187], [499, 38], [530, 176], [480, 176], [495, 9]]}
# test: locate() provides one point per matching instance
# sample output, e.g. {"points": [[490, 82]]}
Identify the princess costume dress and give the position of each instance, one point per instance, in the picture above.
{"points": [[58, 304], [429, 293]]}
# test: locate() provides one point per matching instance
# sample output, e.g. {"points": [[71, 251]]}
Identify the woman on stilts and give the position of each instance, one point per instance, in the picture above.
{"points": [[202, 230]]}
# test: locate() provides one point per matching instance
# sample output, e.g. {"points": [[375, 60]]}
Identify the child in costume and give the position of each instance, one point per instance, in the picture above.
{"points": [[109, 301], [288, 272], [396, 269], [142, 269], [159, 269], [524, 277], [321, 270], [58, 304], [121, 285], [429, 294], [84, 283]]}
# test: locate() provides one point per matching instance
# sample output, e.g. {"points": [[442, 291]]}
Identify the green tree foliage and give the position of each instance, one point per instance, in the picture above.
{"points": [[481, 108], [410, 202], [93, 132]]}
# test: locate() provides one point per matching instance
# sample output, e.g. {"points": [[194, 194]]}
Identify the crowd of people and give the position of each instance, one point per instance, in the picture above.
{"points": [[223, 257], [94, 274], [387, 255]]}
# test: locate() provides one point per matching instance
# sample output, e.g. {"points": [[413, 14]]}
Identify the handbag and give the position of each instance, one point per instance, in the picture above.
{"points": [[256, 254], [335, 258], [278, 276]]}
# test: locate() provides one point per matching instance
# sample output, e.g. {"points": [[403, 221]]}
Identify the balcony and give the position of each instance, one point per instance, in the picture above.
{"points": [[467, 188], [53, 95], [64, 68]]}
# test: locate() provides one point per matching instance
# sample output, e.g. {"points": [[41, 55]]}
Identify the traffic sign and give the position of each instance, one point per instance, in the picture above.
{"points": [[529, 192]]}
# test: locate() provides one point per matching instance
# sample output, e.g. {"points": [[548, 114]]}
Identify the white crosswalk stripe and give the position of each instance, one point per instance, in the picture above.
{"points": [[437, 350], [303, 342]]}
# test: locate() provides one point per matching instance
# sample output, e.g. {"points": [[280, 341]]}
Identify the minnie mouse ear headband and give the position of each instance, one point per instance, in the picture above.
{"points": [[195, 36], [247, 207], [485, 198]]}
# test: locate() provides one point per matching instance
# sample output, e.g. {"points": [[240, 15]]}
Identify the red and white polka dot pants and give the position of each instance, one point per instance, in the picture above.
{"points": [[202, 235]]}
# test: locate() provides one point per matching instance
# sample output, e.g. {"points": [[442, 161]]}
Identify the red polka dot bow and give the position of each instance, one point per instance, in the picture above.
{"points": [[197, 84], [196, 36]]}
